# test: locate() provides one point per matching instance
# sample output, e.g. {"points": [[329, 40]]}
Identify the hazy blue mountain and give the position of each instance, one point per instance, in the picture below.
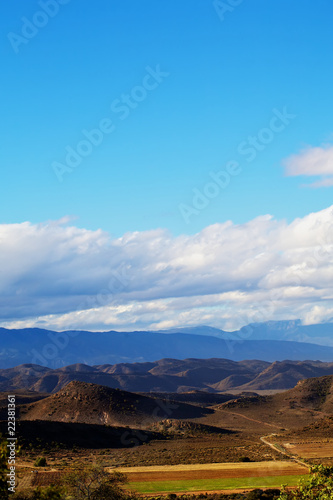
{"points": [[198, 330], [293, 330], [53, 349]]}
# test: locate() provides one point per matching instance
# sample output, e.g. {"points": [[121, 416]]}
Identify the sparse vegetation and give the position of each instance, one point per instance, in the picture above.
{"points": [[194, 432], [93, 483], [40, 462], [3, 469], [49, 493], [257, 494]]}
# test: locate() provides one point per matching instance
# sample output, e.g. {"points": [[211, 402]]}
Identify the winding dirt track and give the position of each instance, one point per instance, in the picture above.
{"points": [[248, 418], [286, 453]]}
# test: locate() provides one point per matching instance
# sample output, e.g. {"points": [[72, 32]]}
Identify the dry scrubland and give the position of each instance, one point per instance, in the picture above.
{"points": [[246, 442]]}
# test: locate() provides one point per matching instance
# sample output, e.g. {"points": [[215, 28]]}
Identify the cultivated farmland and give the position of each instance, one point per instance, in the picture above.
{"points": [[211, 477]]}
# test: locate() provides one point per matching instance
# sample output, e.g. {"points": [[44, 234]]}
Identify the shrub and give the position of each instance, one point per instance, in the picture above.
{"points": [[319, 486], [3, 469], [94, 483], [258, 494], [40, 462]]}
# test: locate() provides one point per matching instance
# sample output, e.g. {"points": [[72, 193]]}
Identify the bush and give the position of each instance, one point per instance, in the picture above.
{"points": [[94, 483], [319, 486], [40, 462], [48, 493], [3, 469], [258, 494]]}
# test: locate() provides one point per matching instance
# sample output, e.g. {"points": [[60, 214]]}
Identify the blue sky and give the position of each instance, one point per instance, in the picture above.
{"points": [[223, 79]]}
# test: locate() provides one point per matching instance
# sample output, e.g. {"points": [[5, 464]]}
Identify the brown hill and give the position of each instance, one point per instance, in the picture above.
{"points": [[22, 396], [322, 428], [54, 435], [201, 398], [309, 401], [93, 404], [313, 393], [286, 374], [55, 380], [181, 428], [231, 382], [127, 368], [168, 375], [20, 377]]}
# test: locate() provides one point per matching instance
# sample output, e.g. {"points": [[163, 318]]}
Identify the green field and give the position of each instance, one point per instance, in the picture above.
{"points": [[214, 484]]}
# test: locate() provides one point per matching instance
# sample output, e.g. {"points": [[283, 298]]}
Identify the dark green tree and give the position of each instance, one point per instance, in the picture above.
{"points": [[49, 493], [94, 483]]}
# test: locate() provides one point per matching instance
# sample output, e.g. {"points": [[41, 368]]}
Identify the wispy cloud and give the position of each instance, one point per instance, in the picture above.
{"points": [[312, 161], [60, 276]]}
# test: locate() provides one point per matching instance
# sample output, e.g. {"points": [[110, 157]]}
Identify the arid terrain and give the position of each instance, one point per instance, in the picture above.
{"points": [[272, 434], [215, 376]]}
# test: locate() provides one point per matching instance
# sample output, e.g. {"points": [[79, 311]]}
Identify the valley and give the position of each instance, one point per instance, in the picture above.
{"points": [[268, 437]]}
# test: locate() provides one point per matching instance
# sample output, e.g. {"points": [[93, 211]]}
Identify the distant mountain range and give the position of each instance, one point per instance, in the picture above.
{"points": [[270, 341], [190, 376], [291, 330]]}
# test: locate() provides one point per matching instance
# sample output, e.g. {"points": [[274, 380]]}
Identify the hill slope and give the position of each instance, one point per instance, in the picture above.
{"points": [[168, 375], [94, 404], [286, 374], [310, 400]]}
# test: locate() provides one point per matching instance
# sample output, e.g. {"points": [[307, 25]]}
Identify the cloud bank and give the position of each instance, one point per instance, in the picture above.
{"points": [[58, 276], [312, 161]]}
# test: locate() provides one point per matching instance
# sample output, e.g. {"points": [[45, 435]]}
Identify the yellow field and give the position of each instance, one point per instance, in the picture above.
{"points": [[213, 485], [212, 477], [272, 466]]}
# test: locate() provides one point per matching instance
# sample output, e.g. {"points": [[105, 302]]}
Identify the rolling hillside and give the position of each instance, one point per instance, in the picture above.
{"points": [[168, 376], [309, 401], [82, 402], [286, 374]]}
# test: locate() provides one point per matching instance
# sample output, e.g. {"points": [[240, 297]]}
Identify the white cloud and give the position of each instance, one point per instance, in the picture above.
{"points": [[59, 276], [312, 161], [324, 182], [318, 314]]}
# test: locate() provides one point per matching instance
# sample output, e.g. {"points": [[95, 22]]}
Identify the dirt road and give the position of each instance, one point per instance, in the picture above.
{"points": [[276, 448]]}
